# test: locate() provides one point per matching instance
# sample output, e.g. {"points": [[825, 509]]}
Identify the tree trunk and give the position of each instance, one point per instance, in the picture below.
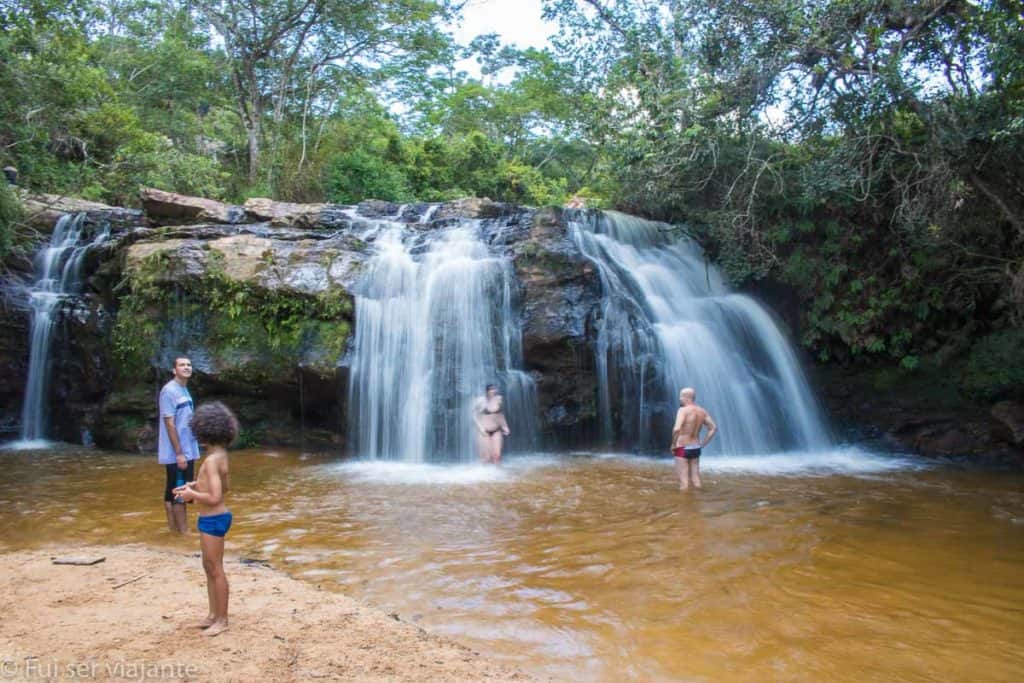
{"points": [[252, 131]]}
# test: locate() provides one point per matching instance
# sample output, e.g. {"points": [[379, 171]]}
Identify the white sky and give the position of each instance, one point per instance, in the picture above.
{"points": [[517, 22]]}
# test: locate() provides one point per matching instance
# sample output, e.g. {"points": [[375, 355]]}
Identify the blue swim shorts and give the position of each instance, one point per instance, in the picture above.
{"points": [[214, 525]]}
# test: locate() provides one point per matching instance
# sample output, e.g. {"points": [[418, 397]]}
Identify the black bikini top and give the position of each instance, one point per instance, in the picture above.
{"points": [[485, 411]]}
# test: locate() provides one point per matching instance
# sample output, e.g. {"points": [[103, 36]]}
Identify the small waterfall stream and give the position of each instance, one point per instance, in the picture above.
{"points": [[669, 321], [58, 276], [435, 323]]}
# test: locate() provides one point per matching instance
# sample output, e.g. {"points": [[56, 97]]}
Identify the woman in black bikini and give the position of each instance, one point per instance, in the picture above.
{"points": [[490, 424]]}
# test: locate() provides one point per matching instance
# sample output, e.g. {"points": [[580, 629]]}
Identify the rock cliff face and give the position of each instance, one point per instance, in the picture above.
{"points": [[260, 297], [14, 326], [561, 292]]}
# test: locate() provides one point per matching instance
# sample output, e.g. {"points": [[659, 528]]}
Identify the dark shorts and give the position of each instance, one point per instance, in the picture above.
{"points": [[214, 525], [688, 453], [187, 474]]}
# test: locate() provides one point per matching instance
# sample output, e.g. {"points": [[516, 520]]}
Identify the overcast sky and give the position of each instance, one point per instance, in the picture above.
{"points": [[517, 22]]}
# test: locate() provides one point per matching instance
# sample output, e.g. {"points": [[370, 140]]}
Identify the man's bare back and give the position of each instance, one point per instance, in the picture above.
{"points": [[689, 421], [686, 444]]}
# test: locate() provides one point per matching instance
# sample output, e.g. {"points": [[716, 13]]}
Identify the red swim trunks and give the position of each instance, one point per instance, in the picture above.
{"points": [[688, 452]]}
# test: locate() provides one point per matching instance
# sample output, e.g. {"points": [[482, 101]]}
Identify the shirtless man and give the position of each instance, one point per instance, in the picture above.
{"points": [[686, 442], [216, 427]]}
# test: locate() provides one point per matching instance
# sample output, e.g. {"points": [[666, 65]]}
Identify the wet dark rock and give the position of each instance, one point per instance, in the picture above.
{"points": [[910, 412], [560, 295], [1008, 422], [287, 253], [781, 300], [378, 209], [285, 382], [474, 207], [934, 436], [129, 418], [512, 228], [14, 354], [82, 375]]}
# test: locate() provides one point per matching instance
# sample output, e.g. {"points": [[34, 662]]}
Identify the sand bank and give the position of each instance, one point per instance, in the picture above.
{"points": [[132, 617]]}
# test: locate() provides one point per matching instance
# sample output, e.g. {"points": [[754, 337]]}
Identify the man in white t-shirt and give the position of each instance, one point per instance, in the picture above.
{"points": [[177, 449]]}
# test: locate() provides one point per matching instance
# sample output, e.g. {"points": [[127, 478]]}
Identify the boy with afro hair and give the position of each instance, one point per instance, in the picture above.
{"points": [[216, 428]]}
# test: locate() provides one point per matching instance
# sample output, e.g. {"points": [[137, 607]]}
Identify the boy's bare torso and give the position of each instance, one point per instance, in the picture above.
{"points": [[214, 466]]}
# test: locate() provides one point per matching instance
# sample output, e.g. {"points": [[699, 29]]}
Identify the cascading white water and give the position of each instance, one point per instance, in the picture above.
{"points": [[58, 272], [435, 324], [670, 321]]}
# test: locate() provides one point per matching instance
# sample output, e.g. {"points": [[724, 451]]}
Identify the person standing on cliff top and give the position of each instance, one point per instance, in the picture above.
{"points": [[177, 449], [686, 442]]}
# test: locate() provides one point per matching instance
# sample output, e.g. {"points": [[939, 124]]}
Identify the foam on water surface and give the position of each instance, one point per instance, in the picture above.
{"points": [[842, 460]]}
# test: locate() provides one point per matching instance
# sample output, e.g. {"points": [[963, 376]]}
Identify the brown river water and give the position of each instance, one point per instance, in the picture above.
{"points": [[844, 566]]}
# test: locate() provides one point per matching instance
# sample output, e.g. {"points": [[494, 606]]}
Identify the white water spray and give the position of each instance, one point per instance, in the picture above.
{"points": [[435, 323], [58, 272], [669, 321]]}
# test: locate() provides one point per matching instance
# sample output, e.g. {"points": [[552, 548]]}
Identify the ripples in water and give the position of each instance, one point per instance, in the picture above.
{"points": [[842, 565]]}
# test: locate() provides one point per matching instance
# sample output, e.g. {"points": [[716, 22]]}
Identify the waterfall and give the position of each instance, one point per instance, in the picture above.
{"points": [[58, 274], [435, 323], [670, 321]]}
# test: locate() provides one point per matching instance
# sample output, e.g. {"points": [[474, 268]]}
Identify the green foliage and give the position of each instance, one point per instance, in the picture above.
{"points": [[995, 366], [247, 438], [864, 153], [359, 175], [861, 152], [103, 97], [10, 214]]}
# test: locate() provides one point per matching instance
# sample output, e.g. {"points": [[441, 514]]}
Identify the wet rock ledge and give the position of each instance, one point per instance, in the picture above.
{"points": [[261, 297]]}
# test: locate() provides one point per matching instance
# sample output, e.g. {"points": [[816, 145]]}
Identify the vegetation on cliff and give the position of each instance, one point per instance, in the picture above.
{"points": [[863, 152], [248, 332], [10, 214], [866, 153]]}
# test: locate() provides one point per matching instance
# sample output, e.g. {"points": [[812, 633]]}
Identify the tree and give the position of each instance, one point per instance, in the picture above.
{"points": [[887, 130], [278, 49]]}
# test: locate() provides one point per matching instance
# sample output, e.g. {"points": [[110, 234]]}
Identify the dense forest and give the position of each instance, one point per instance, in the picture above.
{"points": [[864, 155]]}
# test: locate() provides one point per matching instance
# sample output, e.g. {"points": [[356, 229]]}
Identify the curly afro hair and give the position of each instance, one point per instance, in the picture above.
{"points": [[214, 424]]}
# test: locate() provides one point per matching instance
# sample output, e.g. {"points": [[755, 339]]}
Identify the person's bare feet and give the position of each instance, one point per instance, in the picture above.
{"points": [[207, 622], [216, 628]]}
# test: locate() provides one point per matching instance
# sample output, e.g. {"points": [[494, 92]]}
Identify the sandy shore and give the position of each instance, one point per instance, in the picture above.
{"points": [[77, 622]]}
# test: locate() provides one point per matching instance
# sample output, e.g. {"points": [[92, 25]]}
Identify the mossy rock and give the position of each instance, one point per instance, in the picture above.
{"points": [[133, 400], [995, 366]]}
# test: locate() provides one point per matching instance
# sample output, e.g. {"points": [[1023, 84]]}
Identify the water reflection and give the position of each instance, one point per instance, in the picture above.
{"points": [[853, 567]]}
